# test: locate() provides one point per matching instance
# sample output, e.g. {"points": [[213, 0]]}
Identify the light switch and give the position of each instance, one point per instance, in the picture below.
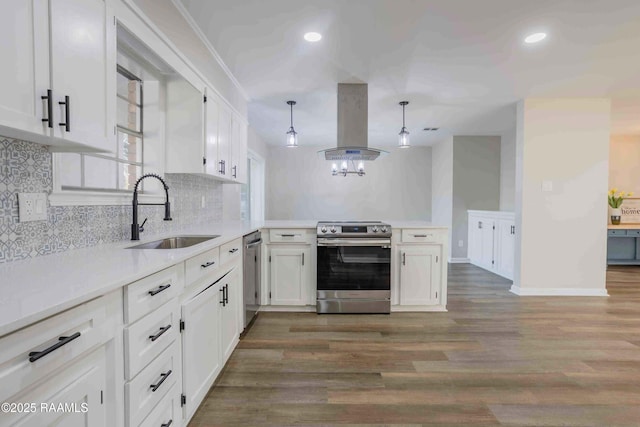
{"points": [[547, 186]]}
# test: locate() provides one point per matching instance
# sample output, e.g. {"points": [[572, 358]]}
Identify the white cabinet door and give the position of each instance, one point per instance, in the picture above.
{"points": [[289, 274], [420, 275], [201, 353], [225, 124], [185, 127], [229, 319], [239, 151], [83, 69], [212, 112], [78, 389], [487, 227], [24, 74], [506, 247]]}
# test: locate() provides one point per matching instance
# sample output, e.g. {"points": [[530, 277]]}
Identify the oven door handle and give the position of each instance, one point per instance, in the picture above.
{"points": [[383, 243]]}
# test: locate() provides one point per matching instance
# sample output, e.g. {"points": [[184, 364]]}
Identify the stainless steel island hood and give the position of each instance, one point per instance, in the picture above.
{"points": [[353, 121]]}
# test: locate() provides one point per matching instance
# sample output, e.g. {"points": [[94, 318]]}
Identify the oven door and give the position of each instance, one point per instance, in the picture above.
{"points": [[354, 265]]}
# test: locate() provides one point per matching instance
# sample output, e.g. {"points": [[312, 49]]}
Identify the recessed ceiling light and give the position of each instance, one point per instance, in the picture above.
{"points": [[313, 37], [535, 37]]}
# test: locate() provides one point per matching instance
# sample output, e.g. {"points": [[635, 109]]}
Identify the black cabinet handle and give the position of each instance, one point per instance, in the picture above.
{"points": [[404, 258], [479, 224], [233, 251], [222, 301], [164, 376], [49, 118], [159, 334], [303, 258], [159, 289], [62, 341], [419, 235], [226, 294], [167, 424], [66, 124], [208, 264], [235, 170], [287, 235]]}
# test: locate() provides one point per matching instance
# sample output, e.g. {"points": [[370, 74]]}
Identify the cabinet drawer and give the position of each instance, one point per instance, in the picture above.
{"points": [[167, 411], [201, 265], [82, 383], [33, 352], [145, 295], [422, 236], [288, 235], [161, 375], [146, 338], [231, 250], [617, 232], [634, 233]]}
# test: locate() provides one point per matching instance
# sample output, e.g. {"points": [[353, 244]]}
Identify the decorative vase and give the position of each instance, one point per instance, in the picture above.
{"points": [[616, 214]]}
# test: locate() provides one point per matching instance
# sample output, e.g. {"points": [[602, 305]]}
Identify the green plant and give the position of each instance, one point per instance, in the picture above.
{"points": [[617, 197]]}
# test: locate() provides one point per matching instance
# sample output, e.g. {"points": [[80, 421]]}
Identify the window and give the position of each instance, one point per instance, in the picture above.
{"points": [[118, 171]]}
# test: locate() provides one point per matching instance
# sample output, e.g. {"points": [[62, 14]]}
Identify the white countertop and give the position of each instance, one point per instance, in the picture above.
{"points": [[34, 289]]}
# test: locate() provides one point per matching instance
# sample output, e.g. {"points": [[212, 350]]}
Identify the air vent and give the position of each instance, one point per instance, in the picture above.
{"points": [[430, 129]]}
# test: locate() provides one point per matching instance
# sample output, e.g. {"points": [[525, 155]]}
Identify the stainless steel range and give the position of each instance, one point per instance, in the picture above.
{"points": [[354, 267]]}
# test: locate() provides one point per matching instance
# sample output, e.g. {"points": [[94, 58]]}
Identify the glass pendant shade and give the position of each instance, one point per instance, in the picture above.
{"points": [[292, 135], [403, 136]]}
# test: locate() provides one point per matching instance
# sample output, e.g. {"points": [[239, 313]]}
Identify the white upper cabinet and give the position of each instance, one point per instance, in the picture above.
{"points": [[66, 47], [225, 123], [239, 151], [212, 111]]}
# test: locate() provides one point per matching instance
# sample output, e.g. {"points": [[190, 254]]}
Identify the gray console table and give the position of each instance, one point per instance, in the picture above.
{"points": [[623, 245]]}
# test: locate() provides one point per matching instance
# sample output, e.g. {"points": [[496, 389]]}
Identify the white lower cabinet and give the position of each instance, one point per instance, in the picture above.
{"points": [[230, 328], [491, 236], [289, 274], [73, 397], [201, 355], [420, 275]]}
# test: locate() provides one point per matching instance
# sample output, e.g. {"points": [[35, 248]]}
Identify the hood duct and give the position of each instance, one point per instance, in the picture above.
{"points": [[353, 125]]}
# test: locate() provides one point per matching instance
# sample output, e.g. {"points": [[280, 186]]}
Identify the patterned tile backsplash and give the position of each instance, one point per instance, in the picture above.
{"points": [[26, 167]]}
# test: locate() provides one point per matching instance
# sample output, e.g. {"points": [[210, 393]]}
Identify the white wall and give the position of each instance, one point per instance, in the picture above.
{"points": [[624, 157], [561, 234], [476, 183], [300, 186], [257, 144], [508, 171], [442, 184]]}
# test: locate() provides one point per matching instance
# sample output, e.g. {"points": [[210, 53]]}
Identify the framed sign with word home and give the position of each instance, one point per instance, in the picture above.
{"points": [[630, 211]]}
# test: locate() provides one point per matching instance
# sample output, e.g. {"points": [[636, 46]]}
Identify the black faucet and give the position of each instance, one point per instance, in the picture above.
{"points": [[135, 228]]}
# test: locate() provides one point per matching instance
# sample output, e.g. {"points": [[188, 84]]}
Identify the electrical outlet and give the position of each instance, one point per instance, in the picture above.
{"points": [[203, 204], [547, 186], [32, 206], [460, 243]]}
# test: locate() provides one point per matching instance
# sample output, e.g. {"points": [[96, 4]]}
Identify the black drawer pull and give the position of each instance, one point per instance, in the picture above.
{"points": [[164, 376], [287, 235], [223, 302], [233, 251], [159, 334], [167, 424], [235, 170], [208, 264], [67, 126], [35, 355], [226, 294], [49, 118], [159, 289], [420, 235]]}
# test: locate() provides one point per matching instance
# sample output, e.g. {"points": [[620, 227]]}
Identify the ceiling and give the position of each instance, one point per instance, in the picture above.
{"points": [[461, 64]]}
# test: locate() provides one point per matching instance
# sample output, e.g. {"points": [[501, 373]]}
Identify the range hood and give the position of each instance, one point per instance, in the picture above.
{"points": [[353, 121]]}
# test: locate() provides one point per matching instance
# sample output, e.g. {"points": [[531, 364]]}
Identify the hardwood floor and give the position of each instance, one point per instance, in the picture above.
{"points": [[493, 359]]}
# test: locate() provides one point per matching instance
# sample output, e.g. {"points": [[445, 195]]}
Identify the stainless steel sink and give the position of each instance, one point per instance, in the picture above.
{"points": [[175, 242]]}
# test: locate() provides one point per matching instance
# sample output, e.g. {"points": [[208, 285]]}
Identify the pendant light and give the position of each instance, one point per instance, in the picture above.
{"points": [[403, 136], [292, 135]]}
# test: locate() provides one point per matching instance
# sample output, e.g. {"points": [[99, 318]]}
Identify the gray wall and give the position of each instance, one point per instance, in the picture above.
{"points": [[27, 167], [508, 171], [476, 183], [300, 186], [442, 184]]}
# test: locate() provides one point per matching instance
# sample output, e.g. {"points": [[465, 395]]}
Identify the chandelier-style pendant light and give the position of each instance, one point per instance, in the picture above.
{"points": [[403, 136], [292, 135]]}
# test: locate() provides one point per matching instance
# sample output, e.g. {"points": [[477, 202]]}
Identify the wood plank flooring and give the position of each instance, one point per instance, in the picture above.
{"points": [[493, 359]]}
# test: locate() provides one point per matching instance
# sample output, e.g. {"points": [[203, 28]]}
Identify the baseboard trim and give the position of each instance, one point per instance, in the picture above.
{"points": [[566, 292], [459, 260], [288, 308], [417, 308]]}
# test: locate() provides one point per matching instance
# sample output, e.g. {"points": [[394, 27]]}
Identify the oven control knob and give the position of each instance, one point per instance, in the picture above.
{"points": [[323, 229], [333, 229], [374, 229], [384, 229]]}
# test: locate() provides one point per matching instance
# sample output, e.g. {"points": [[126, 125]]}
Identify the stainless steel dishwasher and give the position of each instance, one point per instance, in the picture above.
{"points": [[252, 266]]}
